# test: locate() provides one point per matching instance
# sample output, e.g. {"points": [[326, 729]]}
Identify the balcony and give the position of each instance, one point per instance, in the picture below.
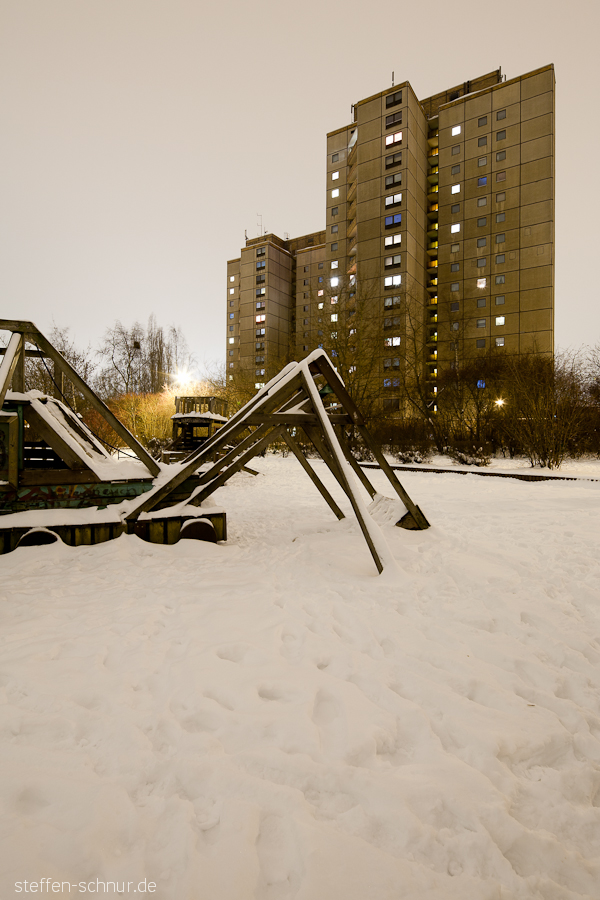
{"points": [[432, 337], [432, 157], [432, 250], [433, 318], [432, 231], [433, 301], [433, 191], [432, 285], [432, 266], [433, 175]]}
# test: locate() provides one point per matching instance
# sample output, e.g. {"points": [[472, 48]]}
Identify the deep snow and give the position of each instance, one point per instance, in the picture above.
{"points": [[268, 719]]}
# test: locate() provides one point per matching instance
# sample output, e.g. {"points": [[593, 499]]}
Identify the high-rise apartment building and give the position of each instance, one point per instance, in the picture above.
{"points": [[443, 206]]}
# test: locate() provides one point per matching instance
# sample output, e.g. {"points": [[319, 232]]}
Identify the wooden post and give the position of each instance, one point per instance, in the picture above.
{"points": [[311, 473]]}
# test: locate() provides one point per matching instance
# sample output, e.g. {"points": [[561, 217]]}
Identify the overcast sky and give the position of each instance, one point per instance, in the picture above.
{"points": [[140, 138]]}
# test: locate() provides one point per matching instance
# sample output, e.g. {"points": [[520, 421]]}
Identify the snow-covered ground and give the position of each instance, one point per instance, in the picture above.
{"points": [[268, 719]]}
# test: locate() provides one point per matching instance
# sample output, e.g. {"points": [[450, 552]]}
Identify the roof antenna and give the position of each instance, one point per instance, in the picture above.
{"points": [[392, 79]]}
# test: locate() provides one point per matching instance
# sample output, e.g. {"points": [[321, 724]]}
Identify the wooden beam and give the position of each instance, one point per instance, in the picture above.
{"points": [[56, 476], [220, 480], [53, 439], [9, 364], [311, 473], [30, 354], [95, 401], [324, 366], [19, 325], [355, 466]]}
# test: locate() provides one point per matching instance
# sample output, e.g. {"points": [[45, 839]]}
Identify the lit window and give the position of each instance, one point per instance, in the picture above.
{"points": [[335, 193], [320, 305], [456, 130], [481, 282], [260, 332], [231, 341], [334, 282], [499, 320], [334, 263], [260, 304], [259, 385], [393, 239], [500, 238], [456, 188], [334, 317], [261, 292], [334, 299], [481, 182], [335, 176], [232, 277], [390, 221], [231, 315], [454, 229], [499, 342], [393, 139], [481, 323], [260, 318], [392, 281], [334, 335], [232, 290], [231, 365], [319, 293], [391, 342], [393, 200], [352, 331]]}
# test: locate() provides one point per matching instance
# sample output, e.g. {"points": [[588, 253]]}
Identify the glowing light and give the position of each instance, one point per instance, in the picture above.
{"points": [[499, 402]]}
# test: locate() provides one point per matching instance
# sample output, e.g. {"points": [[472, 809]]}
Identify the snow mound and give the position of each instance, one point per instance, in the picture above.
{"points": [[270, 720]]}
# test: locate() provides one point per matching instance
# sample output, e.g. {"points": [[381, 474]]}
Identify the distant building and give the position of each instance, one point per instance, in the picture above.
{"points": [[448, 199]]}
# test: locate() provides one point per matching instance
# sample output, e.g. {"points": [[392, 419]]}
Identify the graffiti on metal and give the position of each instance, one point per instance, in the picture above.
{"points": [[71, 496]]}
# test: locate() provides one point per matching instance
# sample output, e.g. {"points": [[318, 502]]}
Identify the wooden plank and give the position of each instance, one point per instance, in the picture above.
{"points": [[355, 466], [19, 325], [37, 354], [9, 364], [32, 477], [315, 435], [95, 401], [54, 440], [312, 474], [324, 366]]}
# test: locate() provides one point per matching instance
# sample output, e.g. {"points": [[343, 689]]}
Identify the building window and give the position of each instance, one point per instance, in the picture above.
{"points": [[335, 193], [306, 281], [481, 301], [393, 200], [481, 262], [391, 301], [500, 238], [231, 328], [455, 267], [334, 317], [500, 197], [499, 320], [499, 342], [392, 139], [481, 282], [481, 323], [456, 149], [500, 155], [482, 161], [454, 248], [334, 282], [391, 180], [454, 229], [230, 352], [456, 130], [500, 217], [260, 279], [500, 300], [335, 157], [319, 293], [260, 318], [334, 210], [482, 201], [501, 114], [260, 292], [261, 264], [260, 332], [393, 99], [455, 208], [334, 229], [454, 326], [500, 279], [456, 188], [232, 277], [260, 251], [392, 281], [393, 239], [334, 299], [231, 302], [391, 342], [394, 119], [335, 176], [334, 247], [305, 321], [391, 261], [482, 141], [232, 291], [481, 182], [390, 221], [320, 279], [394, 160], [500, 258], [454, 307], [320, 305], [481, 242], [455, 286], [259, 346], [501, 135], [334, 263], [305, 309], [500, 176], [480, 343], [482, 121], [456, 169], [260, 304], [482, 221]]}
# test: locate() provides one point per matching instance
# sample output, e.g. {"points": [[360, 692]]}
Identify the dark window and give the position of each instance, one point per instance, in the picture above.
{"points": [[391, 180], [305, 281], [391, 403], [481, 182], [500, 197], [500, 238], [261, 264], [260, 251], [481, 301], [393, 99], [501, 114], [334, 229], [455, 267], [480, 343], [481, 242], [334, 210], [481, 323], [500, 135], [481, 262], [334, 247], [455, 149], [500, 217], [394, 119], [306, 268], [390, 221], [335, 157], [500, 300], [500, 176], [456, 169], [501, 155], [482, 221], [320, 265], [482, 121], [455, 307], [260, 279], [454, 286], [482, 161], [500, 279], [455, 207], [394, 160], [500, 258], [482, 141]]}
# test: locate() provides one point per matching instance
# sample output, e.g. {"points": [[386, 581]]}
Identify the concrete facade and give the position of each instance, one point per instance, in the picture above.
{"points": [[448, 201]]}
